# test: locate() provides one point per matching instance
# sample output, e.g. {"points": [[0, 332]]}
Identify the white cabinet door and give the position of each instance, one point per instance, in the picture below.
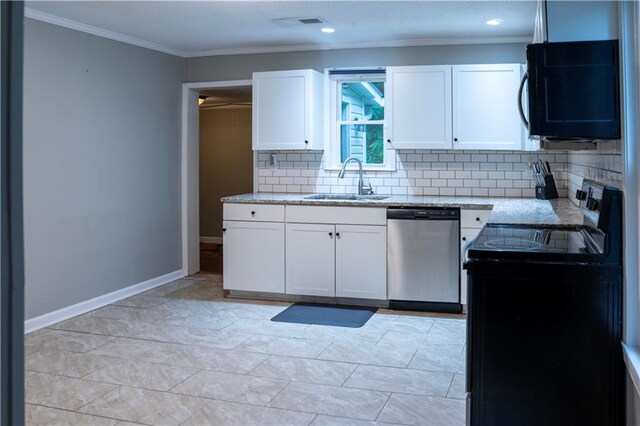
{"points": [[287, 108], [361, 261], [419, 107], [485, 111], [310, 258], [253, 256], [467, 235]]}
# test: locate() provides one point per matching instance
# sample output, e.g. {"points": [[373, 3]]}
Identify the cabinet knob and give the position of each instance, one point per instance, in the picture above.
{"points": [[330, 234], [337, 235], [455, 139], [224, 229], [388, 140], [253, 213], [307, 142], [477, 219], [464, 238]]}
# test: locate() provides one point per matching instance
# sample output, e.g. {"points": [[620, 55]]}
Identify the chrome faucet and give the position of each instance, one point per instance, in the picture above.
{"points": [[362, 190]]}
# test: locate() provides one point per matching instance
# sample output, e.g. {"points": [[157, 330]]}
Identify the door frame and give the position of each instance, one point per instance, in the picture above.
{"points": [[189, 171]]}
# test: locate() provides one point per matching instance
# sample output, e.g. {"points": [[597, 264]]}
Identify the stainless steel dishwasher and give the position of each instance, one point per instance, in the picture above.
{"points": [[424, 259]]}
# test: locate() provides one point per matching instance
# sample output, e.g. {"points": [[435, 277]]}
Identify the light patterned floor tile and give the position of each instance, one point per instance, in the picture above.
{"points": [[267, 328], [304, 370], [145, 406], [141, 374], [65, 340], [343, 421], [141, 301], [458, 387], [231, 387], [62, 392], [37, 415], [449, 358], [230, 413], [390, 379], [53, 361], [293, 346], [364, 335], [404, 323], [423, 410], [331, 400], [368, 354], [182, 355], [172, 287]]}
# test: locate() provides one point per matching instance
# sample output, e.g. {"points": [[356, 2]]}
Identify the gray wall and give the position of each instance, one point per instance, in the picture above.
{"points": [[101, 166], [226, 162], [232, 67]]}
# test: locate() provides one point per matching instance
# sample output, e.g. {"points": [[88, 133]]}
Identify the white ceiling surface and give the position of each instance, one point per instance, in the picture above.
{"points": [[224, 27]]}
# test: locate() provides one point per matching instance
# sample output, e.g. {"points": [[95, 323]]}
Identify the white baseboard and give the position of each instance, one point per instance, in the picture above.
{"points": [[211, 240], [54, 317]]}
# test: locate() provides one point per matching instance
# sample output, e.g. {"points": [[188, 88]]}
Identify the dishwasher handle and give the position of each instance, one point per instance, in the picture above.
{"points": [[424, 214]]}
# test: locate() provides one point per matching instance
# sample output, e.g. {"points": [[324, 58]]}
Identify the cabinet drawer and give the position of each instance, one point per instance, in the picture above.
{"points": [[337, 215], [474, 218], [253, 212]]}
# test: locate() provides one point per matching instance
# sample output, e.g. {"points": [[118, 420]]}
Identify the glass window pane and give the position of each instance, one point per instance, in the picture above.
{"points": [[364, 142], [362, 100]]}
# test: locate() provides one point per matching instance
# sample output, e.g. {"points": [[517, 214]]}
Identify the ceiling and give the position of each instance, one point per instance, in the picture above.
{"points": [[227, 27]]}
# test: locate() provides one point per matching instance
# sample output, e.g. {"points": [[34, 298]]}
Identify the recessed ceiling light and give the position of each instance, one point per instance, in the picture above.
{"points": [[328, 30], [494, 21]]}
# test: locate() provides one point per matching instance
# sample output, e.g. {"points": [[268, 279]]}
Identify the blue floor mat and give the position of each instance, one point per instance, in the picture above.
{"points": [[321, 314]]}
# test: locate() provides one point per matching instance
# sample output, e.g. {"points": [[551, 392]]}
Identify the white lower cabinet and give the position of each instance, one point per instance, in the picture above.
{"points": [[253, 256], [471, 223], [337, 260], [361, 261], [310, 261]]}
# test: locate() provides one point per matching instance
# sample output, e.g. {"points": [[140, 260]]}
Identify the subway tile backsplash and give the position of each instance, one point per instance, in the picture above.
{"points": [[603, 165], [419, 172]]}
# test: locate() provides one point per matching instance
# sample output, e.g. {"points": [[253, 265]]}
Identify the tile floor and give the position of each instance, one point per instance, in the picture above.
{"points": [[182, 354]]}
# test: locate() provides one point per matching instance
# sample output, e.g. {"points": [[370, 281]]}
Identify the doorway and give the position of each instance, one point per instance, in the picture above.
{"points": [[219, 96], [225, 162]]}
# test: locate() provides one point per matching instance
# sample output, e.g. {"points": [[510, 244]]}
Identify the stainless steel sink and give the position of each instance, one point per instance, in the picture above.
{"points": [[347, 197]]}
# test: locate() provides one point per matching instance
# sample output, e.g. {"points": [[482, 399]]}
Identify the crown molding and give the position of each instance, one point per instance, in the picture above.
{"points": [[365, 45], [90, 29], [78, 26]]}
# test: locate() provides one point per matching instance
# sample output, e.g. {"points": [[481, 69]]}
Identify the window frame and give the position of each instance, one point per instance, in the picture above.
{"points": [[333, 119]]}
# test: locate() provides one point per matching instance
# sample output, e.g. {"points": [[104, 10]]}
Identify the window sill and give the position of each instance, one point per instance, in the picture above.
{"points": [[631, 355], [364, 169]]}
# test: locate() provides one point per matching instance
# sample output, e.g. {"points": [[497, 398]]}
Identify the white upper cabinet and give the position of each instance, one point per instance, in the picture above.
{"points": [[485, 112], [418, 107], [287, 110]]}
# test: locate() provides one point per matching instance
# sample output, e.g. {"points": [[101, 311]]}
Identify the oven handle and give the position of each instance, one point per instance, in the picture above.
{"points": [[525, 77]]}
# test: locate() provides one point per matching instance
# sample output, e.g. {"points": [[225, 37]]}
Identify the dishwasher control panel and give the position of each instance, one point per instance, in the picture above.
{"points": [[427, 214]]}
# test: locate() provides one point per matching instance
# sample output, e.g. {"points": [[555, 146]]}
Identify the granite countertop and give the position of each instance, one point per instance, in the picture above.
{"points": [[520, 211]]}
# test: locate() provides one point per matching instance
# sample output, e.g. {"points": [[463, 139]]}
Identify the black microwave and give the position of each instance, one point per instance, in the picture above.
{"points": [[573, 90]]}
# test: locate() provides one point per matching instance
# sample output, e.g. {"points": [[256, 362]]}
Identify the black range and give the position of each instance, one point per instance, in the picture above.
{"points": [[545, 319]]}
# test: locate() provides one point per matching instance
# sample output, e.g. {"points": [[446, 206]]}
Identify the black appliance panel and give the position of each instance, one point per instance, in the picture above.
{"points": [[574, 89]]}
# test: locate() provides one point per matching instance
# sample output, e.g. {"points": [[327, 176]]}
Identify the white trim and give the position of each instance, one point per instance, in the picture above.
{"points": [[90, 29], [211, 240], [54, 317], [184, 208], [363, 45], [631, 356]]}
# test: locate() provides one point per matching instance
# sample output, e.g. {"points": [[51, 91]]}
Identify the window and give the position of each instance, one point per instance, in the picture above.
{"points": [[357, 119]]}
